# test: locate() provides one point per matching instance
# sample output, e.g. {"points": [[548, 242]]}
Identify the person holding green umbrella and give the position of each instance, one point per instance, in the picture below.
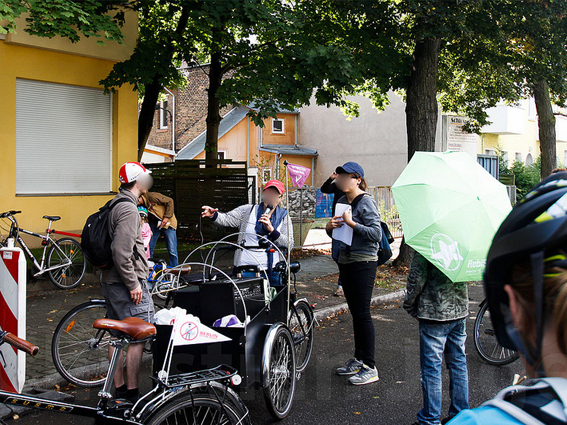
{"points": [[450, 208], [441, 307]]}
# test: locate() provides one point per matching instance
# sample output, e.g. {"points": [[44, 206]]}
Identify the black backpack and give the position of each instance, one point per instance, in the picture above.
{"points": [[96, 240]]}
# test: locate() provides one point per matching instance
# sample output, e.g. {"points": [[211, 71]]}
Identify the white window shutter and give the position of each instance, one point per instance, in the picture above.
{"points": [[63, 139]]}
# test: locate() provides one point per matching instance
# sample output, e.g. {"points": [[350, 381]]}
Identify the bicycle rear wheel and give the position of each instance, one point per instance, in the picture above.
{"points": [[485, 340], [193, 409], [165, 283], [80, 352], [69, 276], [301, 328]]}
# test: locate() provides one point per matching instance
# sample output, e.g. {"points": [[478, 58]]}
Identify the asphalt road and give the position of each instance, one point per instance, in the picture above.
{"points": [[325, 398]]}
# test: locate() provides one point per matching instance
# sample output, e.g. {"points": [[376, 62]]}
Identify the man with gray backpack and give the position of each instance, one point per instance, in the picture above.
{"points": [[112, 240]]}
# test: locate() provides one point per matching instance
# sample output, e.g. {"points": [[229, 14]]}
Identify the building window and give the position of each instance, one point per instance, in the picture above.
{"points": [[531, 109], [266, 175], [529, 159], [63, 139], [518, 157], [505, 158], [277, 125], [221, 155], [489, 152], [163, 115]]}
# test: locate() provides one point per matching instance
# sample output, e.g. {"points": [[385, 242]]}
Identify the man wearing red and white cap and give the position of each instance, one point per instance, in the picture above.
{"points": [[124, 286], [255, 223]]}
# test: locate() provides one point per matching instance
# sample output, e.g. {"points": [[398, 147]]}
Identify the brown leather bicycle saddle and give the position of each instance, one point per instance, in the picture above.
{"points": [[134, 327], [180, 270]]}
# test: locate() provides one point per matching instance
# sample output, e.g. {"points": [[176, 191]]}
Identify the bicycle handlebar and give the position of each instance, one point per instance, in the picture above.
{"points": [[9, 213], [19, 343]]}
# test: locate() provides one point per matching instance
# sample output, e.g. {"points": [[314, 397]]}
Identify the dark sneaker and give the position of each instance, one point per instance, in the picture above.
{"points": [[364, 376], [350, 368]]}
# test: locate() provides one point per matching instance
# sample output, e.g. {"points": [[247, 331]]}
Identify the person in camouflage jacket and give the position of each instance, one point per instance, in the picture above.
{"points": [[431, 295], [441, 307]]}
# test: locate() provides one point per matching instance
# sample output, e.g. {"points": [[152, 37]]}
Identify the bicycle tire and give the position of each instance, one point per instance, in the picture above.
{"points": [[88, 344], [302, 330], [67, 277], [198, 408], [165, 283], [486, 343], [14, 231], [278, 360]]}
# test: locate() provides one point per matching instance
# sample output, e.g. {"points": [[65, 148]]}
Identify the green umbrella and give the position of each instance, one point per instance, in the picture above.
{"points": [[450, 208]]}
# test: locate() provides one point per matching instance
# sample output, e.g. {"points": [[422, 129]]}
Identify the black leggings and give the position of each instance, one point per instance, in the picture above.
{"points": [[358, 282]]}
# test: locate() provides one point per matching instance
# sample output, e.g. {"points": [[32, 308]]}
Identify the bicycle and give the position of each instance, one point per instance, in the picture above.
{"points": [[163, 280], [485, 340], [61, 259], [202, 397]]}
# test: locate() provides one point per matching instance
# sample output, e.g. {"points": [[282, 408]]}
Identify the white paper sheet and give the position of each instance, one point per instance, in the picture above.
{"points": [[343, 233]]}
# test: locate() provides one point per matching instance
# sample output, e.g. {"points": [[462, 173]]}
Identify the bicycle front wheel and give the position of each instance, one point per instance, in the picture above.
{"points": [[80, 352], [194, 409], [485, 340], [301, 328], [70, 275]]}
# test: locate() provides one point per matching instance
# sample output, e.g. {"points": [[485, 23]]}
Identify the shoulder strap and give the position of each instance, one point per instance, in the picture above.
{"points": [[112, 204], [559, 386], [356, 200], [514, 411]]}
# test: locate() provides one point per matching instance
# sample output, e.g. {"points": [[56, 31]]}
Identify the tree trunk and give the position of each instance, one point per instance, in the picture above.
{"points": [[213, 105], [546, 123], [152, 90], [421, 111], [147, 111]]}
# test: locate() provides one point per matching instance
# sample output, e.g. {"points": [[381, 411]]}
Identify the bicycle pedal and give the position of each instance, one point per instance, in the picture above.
{"points": [[119, 408]]}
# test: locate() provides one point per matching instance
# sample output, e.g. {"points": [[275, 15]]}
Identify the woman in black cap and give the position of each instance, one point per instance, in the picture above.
{"points": [[357, 259]]}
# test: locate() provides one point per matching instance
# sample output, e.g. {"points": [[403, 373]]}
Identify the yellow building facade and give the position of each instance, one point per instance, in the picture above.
{"points": [[62, 139]]}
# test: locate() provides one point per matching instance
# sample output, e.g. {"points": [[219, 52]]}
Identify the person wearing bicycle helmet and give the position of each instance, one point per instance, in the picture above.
{"points": [[256, 223], [525, 282], [146, 229]]}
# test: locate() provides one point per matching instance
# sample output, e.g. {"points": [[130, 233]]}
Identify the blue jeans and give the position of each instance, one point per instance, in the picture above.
{"points": [[435, 339], [170, 242]]}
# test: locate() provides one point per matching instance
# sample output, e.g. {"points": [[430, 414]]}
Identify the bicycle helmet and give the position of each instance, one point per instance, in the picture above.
{"points": [[536, 224], [143, 211], [132, 171]]}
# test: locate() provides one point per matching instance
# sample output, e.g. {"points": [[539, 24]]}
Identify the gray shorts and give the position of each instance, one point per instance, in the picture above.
{"points": [[119, 303]]}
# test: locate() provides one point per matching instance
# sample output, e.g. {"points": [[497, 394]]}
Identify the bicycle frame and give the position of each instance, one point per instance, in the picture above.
{"points": [[46, 242]]}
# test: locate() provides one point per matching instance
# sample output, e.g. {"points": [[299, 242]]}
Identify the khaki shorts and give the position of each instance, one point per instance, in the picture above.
{"points": [[119, 303]]}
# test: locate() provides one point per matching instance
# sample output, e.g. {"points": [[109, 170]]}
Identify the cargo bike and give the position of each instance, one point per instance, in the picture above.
{"points": [[272, 343], [270, 348]]}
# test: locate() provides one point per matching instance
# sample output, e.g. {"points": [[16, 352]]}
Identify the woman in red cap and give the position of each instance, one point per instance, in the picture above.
{"points": [[255, 223]]}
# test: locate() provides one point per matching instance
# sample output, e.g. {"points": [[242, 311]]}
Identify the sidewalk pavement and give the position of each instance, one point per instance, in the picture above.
{"points": [[46, 306]]}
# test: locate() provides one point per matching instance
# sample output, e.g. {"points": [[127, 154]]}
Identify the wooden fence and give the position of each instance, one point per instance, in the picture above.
{"points": [[194, 183]]}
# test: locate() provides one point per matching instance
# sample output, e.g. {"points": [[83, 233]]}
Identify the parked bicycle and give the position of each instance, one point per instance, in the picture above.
{"points": [[163, 280], [485, 340], [202, 397], [62, 259]]}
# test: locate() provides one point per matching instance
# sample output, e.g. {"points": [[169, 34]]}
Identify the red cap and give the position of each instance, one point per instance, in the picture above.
{"points": [[277, 184]]}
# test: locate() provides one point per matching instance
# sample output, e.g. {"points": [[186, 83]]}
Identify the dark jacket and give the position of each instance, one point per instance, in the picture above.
{"points": [[331, 187], [431, 295]]}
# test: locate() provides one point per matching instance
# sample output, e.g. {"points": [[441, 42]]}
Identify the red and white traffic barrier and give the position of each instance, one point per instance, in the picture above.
{"points": [[12, 317]]}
